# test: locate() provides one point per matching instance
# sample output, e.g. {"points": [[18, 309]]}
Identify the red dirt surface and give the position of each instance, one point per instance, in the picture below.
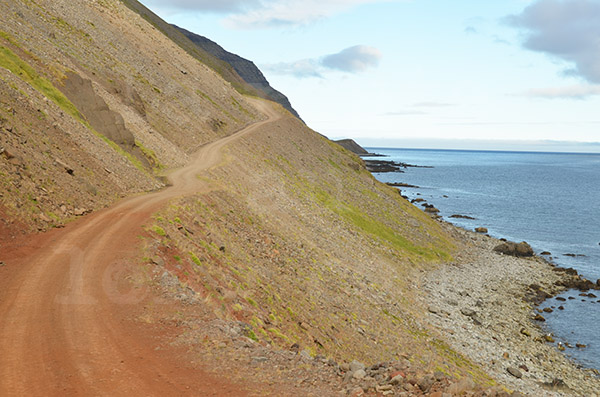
{"points": [[67, 312]]}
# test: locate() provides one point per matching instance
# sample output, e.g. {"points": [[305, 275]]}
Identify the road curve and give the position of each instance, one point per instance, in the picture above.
{"points": [[63, 330]]}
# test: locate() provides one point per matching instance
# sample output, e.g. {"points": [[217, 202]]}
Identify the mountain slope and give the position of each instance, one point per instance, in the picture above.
{"points": [[142, 105], [241, 73], [245, 68]]}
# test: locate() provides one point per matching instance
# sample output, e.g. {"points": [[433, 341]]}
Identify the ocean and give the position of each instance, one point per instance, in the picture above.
{"points": [[550, 200]]}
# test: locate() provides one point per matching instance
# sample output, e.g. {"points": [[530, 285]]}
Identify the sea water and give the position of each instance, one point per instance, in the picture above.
{"points": [[550, 200]]}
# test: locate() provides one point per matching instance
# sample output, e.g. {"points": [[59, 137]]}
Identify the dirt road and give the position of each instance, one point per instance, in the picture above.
{"points": [[64, 310]]}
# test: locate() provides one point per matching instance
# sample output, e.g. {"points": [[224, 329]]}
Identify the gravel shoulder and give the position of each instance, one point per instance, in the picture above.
{"points": [[482, 304]]}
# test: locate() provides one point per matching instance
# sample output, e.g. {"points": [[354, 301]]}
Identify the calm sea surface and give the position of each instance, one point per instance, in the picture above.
{"points": [[550, 200]]}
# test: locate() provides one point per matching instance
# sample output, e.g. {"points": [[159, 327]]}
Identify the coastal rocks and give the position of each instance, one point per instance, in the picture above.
{"points": [[458, 216], [521, 249], [430, 209], [481, 230], [383, 166], [578, 283], [401, 184], [402, 378]]}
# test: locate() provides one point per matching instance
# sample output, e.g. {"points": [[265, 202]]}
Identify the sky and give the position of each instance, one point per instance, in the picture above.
{"points": [[505, 75]]}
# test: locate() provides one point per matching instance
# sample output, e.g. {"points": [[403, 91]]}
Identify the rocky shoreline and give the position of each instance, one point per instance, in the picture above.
{"points": [[383, 166], [484, 305]]}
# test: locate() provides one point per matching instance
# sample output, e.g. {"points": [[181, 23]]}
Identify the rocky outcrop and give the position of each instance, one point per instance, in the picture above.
{"points": [[245, 68], [351, 145], [94, 109], [514, 249], [81, 92], [458, 216]]}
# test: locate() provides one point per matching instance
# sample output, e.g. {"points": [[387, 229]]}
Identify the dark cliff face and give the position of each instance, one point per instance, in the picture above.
{"points": [[243, 75], [245, 68]]}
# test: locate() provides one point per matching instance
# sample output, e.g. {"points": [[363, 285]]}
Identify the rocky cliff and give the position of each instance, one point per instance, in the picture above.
{"points": [[245, 68], [351, 145]]}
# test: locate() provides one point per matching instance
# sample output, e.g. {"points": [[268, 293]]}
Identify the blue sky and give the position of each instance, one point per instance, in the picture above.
{"points": [[421, 73]]}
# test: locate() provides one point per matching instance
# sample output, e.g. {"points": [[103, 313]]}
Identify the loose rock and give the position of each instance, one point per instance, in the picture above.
{"points": [[514, 372]]}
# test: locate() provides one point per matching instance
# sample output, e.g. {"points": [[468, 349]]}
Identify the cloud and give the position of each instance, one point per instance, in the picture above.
{"points": [[277, 13], [301, 69], [354, 60], [416, 108], [219, 6], [571, 92], [565, 29], [261, 14], [432, 104], [405, 113]]}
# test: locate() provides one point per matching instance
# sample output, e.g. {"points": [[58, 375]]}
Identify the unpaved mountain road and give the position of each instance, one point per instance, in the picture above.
{"points": [[65, 325]]}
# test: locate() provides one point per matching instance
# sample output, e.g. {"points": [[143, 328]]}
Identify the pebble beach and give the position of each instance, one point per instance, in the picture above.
{"points": [[484, 305]]}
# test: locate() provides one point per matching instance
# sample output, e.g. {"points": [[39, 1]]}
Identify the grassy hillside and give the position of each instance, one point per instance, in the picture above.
{"points": [[298, 241]]}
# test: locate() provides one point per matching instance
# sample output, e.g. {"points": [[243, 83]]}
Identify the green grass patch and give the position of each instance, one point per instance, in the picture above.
{"points": [[278, 334], [159, 230], [195, 259], [250, 334], [378, 230], [11, 61], [251, 302], [151, 156]]}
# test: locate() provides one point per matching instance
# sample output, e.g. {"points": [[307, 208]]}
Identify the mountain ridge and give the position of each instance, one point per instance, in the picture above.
{"points": [[214, 56], [244, 67]]}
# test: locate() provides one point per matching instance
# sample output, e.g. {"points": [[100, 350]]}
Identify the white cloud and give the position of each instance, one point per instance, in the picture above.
{"points": [[275, 13], [260, 14], [570, 92], [301, 69], [565, 29], [405, 113], [220, 6], [431, 104], [354, 59]]}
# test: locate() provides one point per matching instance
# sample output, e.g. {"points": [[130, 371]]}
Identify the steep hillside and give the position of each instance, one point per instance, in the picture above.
{"points": [[241, 73], [245, 68], [300, 242], [95, 102]]}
